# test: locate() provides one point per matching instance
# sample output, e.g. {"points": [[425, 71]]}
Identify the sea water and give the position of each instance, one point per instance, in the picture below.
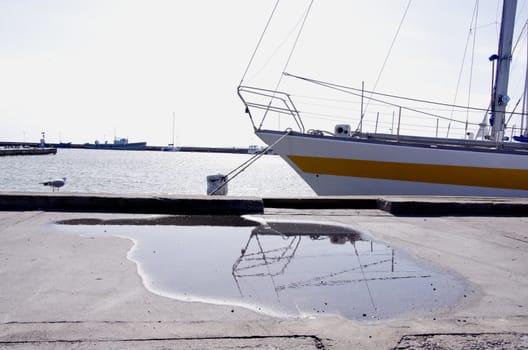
{"points": [[148, 172]]}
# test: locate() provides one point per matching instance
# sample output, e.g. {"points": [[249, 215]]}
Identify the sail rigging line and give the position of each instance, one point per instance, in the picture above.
{"points": [[346, 89], [242, 167], [514, 47], [259, 41], [470, 33], [365, 279], [268, 268], [305, 17], [494, 23], [524, 97], [278, 47], [472, 63], [513, 110], [521, 80], [344, 101], [521, 33], [332, 85], [295, 43], [386, 59], [497, 21], [524, 127], [401, 106]]}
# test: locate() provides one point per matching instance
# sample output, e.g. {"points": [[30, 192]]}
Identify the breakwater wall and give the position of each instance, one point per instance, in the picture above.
{"points": [[239, 150]]}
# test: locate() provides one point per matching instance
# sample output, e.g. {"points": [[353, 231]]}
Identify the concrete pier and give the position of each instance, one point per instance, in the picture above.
{"points": [[227, 205], [61, 290], [140, 204]]}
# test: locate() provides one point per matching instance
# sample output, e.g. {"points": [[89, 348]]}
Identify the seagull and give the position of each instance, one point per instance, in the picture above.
{"points": [[55, 184]]}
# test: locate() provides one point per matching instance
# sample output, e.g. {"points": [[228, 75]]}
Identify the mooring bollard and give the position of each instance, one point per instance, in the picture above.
{"points": [[217, 185]]}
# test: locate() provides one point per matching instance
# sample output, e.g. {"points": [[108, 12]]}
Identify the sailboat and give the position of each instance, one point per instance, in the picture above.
{"points": [[171, 147], [348, 162]]}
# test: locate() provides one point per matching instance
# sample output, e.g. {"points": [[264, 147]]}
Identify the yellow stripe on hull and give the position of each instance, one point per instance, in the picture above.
{"points": [[515, 179]]}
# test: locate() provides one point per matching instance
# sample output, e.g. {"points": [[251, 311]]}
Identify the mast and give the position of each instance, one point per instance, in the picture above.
{"points": [[500, 96], [173, 121]]}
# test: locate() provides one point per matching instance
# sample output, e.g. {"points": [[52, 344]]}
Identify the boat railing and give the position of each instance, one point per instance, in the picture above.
{"points": [[443, 142], [397, 128], [268, 101], [403, 130]]}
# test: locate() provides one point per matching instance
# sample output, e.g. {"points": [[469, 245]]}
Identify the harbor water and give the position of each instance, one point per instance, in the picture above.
{"points": [[148, 173]]}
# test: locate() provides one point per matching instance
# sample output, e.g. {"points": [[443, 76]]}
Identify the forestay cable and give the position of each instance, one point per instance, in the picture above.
{"points": [[289, 58], [472, 63], [259, 41]]}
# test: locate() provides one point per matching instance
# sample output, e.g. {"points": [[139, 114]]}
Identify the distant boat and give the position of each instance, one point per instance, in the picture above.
{"points": [[170, 147], [119, 144], [353, 162], [253, 149]]}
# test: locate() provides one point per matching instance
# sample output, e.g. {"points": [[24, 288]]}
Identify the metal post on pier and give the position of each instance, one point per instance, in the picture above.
{"points": [[362, 115], [392, 123], [399, 121]]}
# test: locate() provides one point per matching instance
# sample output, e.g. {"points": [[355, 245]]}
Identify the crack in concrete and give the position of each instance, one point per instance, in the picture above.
{"points": [[317, 341]]}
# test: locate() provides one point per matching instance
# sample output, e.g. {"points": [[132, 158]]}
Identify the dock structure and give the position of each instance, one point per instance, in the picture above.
{"points": [[26, 151], [61, 290], [129, 147]]}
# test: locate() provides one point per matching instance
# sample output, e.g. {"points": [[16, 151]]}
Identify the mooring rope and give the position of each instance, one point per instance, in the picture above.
{"points": [[242, 167]]}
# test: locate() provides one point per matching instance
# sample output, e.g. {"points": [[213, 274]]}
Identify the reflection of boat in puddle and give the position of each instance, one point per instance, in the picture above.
{"points": [[254, 258], [284, 268], [326, 268]]}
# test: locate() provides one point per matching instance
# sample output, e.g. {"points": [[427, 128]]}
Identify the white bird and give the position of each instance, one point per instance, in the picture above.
{"points": [[55, 184]]}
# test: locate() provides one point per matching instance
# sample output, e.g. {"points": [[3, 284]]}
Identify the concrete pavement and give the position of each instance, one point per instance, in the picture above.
{"points": [[61, 291]]}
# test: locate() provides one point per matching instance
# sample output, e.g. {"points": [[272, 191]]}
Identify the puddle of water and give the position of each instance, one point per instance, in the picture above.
{"points": [[284, 269]]}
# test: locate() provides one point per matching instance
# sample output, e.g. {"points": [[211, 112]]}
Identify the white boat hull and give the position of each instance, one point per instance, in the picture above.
{"points": [[346, 166]]}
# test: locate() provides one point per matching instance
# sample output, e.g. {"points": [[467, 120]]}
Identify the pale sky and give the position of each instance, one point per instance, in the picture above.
{"points": [[86, 70]]}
